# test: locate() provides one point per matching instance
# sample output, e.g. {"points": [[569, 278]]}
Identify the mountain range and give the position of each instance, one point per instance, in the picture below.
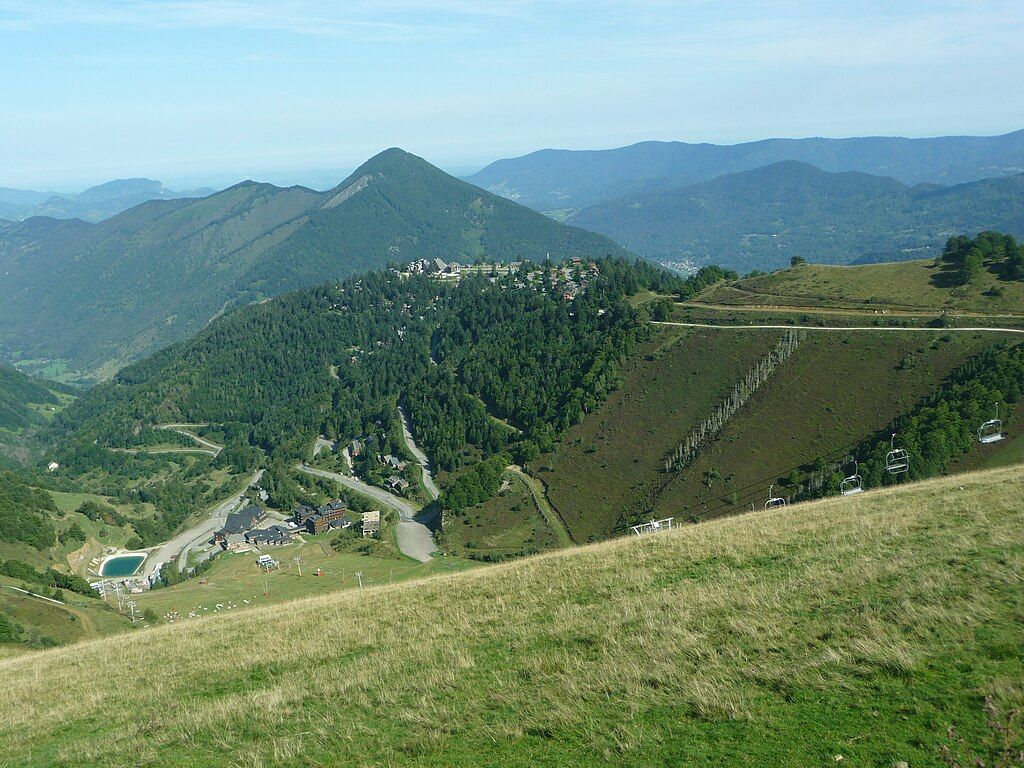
{"points": [[91, 297], [761, 218], [556, 179], [94, 204]]}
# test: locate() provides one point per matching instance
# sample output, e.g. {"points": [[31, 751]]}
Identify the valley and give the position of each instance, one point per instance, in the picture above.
{"points": [[194, 258], [390, 433]]}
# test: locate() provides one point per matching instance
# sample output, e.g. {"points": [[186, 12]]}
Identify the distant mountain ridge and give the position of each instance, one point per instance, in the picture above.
{"points": [[553, 179], [761, 218], [94, 204], [114, 291]]}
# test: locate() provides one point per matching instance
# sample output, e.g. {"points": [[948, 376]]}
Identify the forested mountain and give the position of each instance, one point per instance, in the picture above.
{"points": [[760, 219], [94, 204], [22, 399], [336, 360], [114, 291], [554, 179]]}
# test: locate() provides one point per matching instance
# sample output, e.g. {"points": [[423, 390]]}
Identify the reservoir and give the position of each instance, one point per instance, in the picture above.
{"points": [[122, 565]]}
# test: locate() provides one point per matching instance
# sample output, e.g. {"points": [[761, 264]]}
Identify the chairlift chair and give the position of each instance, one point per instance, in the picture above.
{"points": [[991, 431], [851, 484], [774, 501], [897, 461]]}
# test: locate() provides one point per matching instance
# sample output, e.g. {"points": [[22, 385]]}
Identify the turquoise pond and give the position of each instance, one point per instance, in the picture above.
{"points": [[122, 565]]}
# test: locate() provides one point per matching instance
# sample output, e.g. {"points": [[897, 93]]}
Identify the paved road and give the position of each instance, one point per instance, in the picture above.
{"points": [[185, 429], [880, 328], [33, 594], [203, 451], [839, 310], [184, 541], [428, 479], [414, 536]]}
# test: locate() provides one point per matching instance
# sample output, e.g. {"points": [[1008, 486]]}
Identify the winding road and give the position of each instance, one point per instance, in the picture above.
{"points": [[197, 534], [185, 429], [414, 536], [428, 479]]}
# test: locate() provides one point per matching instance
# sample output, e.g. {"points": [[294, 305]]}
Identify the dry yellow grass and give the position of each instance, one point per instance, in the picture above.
{"points": [[859, 627]]}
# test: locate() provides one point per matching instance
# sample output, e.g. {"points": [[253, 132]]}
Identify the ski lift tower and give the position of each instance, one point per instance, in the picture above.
{"points": [[654, 526]]}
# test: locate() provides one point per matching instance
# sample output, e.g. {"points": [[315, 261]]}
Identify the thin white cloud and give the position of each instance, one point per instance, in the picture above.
{"points": [[307, 18]]}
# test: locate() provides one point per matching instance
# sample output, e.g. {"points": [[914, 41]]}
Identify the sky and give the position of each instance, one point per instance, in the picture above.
{"points": [[301, 91]]}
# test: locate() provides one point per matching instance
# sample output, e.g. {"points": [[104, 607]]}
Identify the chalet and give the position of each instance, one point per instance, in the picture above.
{"points": [[238, 523], [392, 462], [355, 448], [418, 267], [371, 523], [396, 484]]}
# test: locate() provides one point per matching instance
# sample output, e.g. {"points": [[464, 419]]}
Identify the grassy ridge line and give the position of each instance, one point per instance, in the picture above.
{"points": [[858, 627], [917, 285]]}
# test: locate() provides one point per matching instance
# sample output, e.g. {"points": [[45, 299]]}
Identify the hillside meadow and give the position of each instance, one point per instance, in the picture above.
{"points": [[836, 389], [853, 630], [909, 286]]}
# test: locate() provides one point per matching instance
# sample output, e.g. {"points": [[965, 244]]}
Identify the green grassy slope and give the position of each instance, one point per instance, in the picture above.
{"points": [[838, 388], [911, 286], [606, 467], [508, 525], [77, 618], [857, 628], [165, 268]]}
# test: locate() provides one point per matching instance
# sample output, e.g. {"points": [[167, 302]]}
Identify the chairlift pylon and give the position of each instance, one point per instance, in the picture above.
{"points": [[852, 484], [992, 430], [774, 501], [897, 461]]}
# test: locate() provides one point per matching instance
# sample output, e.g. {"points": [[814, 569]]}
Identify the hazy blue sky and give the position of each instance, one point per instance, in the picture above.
{"points": [[190, 90]]}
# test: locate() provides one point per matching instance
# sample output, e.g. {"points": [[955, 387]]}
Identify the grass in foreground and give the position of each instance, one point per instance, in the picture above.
{"points": [[859, 627]]}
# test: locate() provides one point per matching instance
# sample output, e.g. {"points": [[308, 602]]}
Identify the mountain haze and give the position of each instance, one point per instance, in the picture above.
{"points": [[759, 219], [94, 204], [113, 291], [553, 179]]}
